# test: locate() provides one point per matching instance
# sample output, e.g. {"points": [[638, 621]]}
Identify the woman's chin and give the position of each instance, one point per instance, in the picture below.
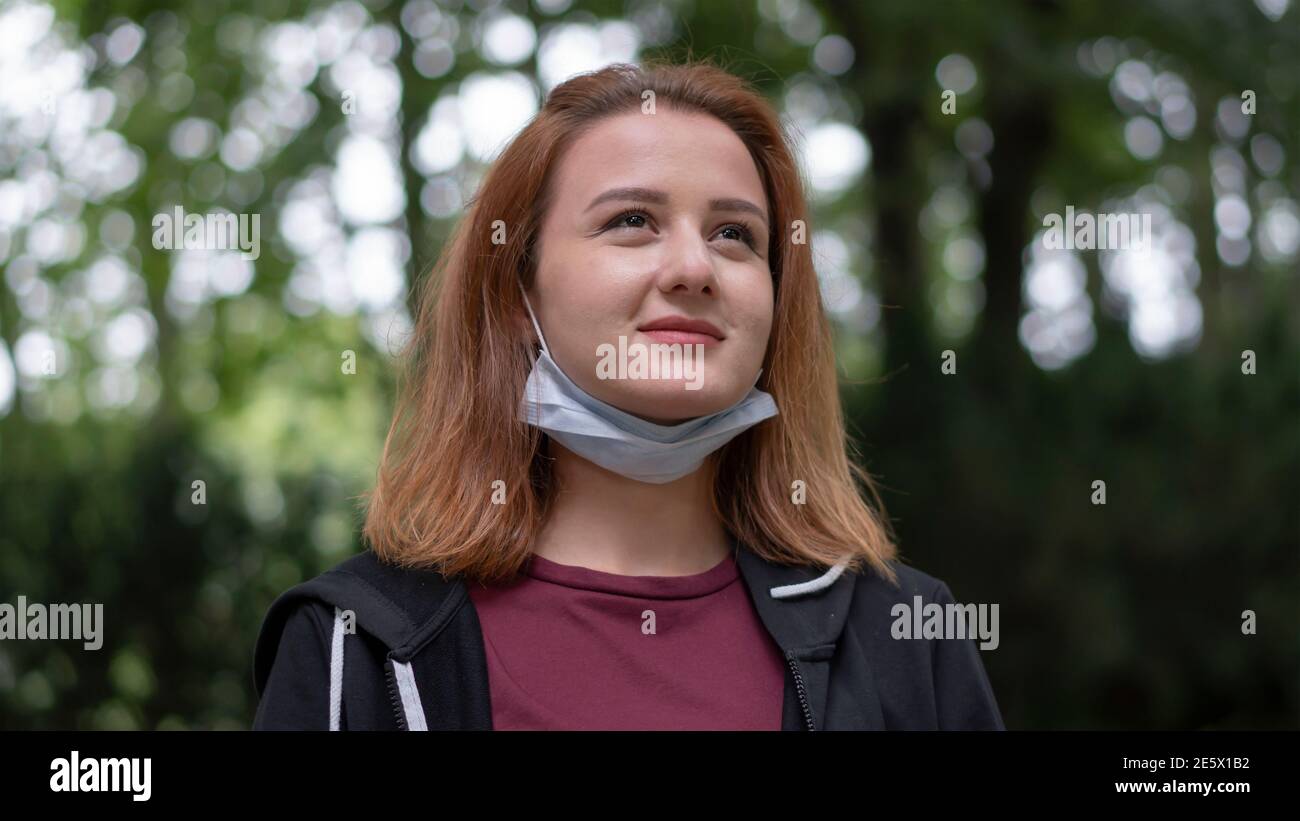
{"points": [[670, 402]]}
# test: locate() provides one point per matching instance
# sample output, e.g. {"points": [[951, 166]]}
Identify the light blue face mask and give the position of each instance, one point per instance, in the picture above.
{"points": [[623, 443]]}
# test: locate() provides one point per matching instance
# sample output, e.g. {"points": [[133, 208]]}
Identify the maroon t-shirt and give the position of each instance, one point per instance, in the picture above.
{"points": [[569, 648]]}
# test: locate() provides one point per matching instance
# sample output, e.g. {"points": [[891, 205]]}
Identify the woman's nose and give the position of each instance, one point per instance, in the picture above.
{"points": [[690, 264]]}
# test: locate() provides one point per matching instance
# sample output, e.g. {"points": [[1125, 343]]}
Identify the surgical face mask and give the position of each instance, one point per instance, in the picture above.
{"points": [[623, 443]]}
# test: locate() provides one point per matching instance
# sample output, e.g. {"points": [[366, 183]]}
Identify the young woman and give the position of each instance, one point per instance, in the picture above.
{"points": [[559, 541]]}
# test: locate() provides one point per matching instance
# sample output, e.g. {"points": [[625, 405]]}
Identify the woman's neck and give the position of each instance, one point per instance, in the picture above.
{"points": [[607, 522]]}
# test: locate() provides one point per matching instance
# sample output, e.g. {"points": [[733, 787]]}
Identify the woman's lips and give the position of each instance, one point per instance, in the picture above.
{"points": [[669, 337]]}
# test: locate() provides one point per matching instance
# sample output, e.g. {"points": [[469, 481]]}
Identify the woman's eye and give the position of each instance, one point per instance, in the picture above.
{"points": [[629, 219], [735, 232], [739, 233]]}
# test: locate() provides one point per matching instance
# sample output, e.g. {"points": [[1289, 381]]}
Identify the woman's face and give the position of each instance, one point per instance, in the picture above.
{"points": [[654, 219]]}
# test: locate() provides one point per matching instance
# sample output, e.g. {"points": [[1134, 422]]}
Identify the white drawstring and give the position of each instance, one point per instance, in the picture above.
{"points": [[336, 671], [405, 683], [787, 591], [410, 696]]}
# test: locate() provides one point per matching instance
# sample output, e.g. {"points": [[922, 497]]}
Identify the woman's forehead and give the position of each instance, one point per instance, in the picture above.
{"points": [[669, 151]]}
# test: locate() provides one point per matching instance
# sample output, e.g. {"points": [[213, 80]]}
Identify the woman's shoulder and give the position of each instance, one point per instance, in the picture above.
{"points": [[909, 582], [387, 600], [906, 628], [881, 606]]}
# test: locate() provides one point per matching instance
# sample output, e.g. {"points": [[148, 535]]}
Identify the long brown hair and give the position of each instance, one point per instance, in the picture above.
{"points": [[463, 486]]}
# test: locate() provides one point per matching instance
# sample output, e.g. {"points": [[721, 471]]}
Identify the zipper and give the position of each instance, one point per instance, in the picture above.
{"points": [[392, 694], [458, 599], [799, 688]]}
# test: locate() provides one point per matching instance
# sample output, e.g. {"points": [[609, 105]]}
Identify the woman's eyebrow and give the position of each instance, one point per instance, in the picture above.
{"points": [[659, 197], [738, 205], [638, 194]]}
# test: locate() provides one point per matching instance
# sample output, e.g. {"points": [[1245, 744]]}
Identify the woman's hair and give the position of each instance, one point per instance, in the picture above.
{"points": [[463, 486]]}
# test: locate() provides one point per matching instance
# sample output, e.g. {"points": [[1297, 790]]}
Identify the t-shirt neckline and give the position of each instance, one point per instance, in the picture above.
{"points": [[647, 587]]}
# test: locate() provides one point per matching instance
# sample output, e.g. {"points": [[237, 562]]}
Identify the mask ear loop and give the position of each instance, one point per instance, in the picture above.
{"points": [[531, 354], [533, 317]]}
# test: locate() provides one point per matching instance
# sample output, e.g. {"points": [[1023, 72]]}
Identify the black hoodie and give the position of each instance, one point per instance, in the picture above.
{"points": [[369, 646]]}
